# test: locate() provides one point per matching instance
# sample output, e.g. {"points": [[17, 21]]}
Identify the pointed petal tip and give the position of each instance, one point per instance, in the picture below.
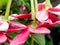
{"points": [[55, 11], [3, 38], [22, 16], [40, 30]]}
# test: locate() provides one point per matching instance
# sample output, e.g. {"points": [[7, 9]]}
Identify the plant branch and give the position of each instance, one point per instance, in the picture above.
{"points": [[50, 39], [7, 10], [32, 39], [36, 6]]}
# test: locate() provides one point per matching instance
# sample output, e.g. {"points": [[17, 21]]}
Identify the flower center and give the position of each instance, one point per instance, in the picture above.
{"points": [[4, 26]]}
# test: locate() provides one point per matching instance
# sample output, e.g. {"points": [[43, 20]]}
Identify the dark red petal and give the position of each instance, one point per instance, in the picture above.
{"points": [[53, 17], [3, 38], [57, 22], [40, 30], [41, 6], [20, 38], [22, 16], [47, 25], [15, 26], [54, 11], [41, 16]]}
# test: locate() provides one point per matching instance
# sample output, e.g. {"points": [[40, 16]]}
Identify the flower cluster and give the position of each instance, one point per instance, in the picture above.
{"points": [[45, 19]]}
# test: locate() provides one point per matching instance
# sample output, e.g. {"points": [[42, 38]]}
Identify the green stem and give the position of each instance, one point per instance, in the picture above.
{"points": [[50, 39], [7, 10], [36, 6], [33, 14], [32, 9], [32, 39], [47, 4]]}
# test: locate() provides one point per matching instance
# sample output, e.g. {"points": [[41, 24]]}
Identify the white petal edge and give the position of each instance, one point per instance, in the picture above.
{"points": [[4, 26]]}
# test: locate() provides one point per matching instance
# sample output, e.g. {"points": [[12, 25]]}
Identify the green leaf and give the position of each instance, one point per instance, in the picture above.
{"points": [[5, 43], [12, 35], [48, 42], [39, 38], [0, 10], [3, 2]]}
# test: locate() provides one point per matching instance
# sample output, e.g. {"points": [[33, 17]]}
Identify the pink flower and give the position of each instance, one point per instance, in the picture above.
{"points": [[9, 27], [48, 17], [20, 38], [23, 36], [45, 20], [55, 11], [3, 38]]}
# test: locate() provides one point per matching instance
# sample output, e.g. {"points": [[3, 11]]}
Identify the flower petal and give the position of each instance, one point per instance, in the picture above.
{"points": [[53, 17], [39, 30], [49, 25], [12, 18], [54, 11], [3, 38], [41, 16], [22, 16], [20, 38], [58, 6], [5, 26], [57, 22], [41, 6], [15, 26]]}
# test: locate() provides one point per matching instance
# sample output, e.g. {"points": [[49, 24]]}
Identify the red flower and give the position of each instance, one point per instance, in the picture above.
{"points": [[21, 16], [45, 20], [48, 17], [55, 11], [22, 37], [9, 27]]}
